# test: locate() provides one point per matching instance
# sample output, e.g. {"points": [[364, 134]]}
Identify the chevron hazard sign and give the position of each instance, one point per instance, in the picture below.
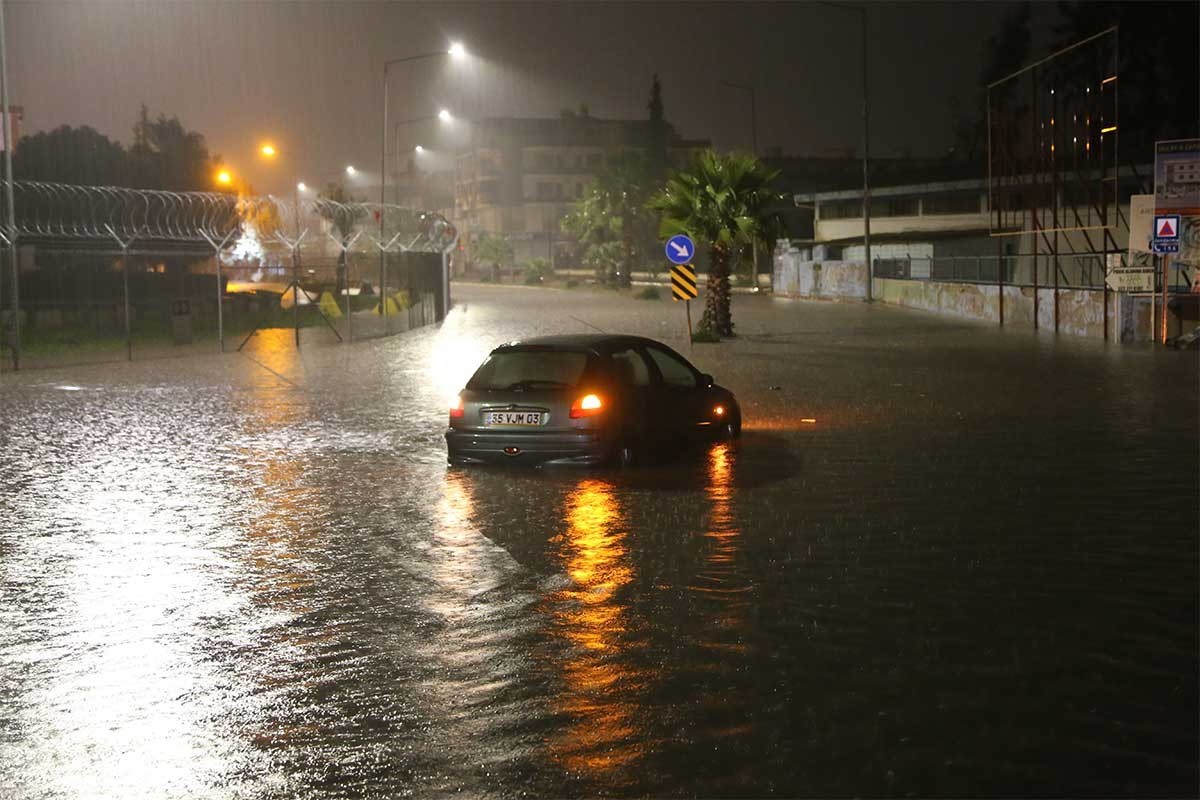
{"points": [[683, 282]]}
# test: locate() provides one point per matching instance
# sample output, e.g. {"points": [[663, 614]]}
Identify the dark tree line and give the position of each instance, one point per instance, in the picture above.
{"points": [[1158, 69], [163, 155]]}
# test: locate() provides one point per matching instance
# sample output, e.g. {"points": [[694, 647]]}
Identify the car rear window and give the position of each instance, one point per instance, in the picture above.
{"points": [[530, 369]]}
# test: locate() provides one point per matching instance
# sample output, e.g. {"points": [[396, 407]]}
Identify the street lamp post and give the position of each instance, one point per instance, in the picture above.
{"points": [[866, 155], [455, 50], [754, 151]]}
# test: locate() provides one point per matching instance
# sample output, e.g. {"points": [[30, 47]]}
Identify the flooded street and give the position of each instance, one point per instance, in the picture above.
{"points": [[944, 559]]}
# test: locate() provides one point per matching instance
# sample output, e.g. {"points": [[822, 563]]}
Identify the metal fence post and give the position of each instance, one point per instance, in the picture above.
{"points": [[446, 284], [124, 244], [10, 244], [296, 294], [10, 221], [217, 248], [125, 282]]}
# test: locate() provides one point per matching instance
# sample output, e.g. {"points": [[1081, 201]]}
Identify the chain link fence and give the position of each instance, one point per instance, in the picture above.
{"points": [[93, 274]]}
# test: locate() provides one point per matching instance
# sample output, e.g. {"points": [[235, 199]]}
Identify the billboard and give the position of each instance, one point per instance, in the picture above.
{"points": [[1177, 191]]}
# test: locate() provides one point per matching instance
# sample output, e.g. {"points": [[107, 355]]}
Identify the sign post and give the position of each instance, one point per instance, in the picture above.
{"points": [[680, 251], [1176, 233], [683, 287]]}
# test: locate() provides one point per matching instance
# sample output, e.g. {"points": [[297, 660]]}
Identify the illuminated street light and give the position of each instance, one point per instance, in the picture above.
{"points": [[351, 171], [419, 149], [268, 150], [300, 187], [457, 50], [224, 177], [445, 116]]}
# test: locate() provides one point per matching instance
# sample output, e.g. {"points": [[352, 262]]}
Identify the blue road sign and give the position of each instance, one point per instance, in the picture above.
{"points": [[680, 249]]}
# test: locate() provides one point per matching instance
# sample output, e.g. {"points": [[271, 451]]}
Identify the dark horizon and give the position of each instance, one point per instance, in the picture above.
{"points": [[308, 76]]}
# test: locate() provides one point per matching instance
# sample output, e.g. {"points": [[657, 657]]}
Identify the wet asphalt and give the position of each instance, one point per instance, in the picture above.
{"points": [[944, 559]]}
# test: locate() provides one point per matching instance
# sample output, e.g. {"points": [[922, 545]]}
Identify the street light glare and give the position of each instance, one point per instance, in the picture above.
{"points": [[351, 171], [224, 177], [419, 149], [444, 115], [457, 50], [268, 150], [300, 187]]}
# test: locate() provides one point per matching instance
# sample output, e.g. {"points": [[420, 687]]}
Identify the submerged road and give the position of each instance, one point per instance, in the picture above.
{"points": [[944, 559]]}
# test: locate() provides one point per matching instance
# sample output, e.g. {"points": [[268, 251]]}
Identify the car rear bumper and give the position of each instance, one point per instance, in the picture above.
{"points": [[523, 447]]}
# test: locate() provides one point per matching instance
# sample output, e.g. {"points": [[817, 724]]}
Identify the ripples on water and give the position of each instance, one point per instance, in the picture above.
{"points": [[234, 577]]}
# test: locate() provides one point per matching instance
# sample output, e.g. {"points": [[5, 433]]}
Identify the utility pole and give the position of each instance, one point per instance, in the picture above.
{"points": [[866, 149], [749, 89], [11, 216]]}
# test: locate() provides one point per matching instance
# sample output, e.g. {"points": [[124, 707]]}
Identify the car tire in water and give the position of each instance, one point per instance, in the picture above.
{"points": [[624, 456], [733, 428]]}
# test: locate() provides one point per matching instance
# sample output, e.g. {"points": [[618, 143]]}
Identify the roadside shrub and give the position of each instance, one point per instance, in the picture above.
{"points": [[572, 283], [705, 335], [649, 293], [537, 271]]}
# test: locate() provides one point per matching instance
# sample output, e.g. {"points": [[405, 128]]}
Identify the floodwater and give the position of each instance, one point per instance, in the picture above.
{"points": [[944, 559]]}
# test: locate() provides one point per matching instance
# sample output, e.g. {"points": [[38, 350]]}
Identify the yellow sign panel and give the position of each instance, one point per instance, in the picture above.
{"points": [[683, 282]]}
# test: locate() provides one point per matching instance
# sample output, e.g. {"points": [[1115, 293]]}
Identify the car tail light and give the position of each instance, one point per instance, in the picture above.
{"points": [[719, 411], [456, 407], [589, 405]]}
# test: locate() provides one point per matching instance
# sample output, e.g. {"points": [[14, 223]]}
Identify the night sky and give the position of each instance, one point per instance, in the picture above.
{"points": [[308, 75]]}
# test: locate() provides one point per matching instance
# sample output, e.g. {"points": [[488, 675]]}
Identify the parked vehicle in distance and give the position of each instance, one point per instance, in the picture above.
{"points": [[586, 399]]}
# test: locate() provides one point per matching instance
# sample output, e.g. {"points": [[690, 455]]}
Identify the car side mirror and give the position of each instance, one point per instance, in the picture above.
{"points": [[707, 380]]}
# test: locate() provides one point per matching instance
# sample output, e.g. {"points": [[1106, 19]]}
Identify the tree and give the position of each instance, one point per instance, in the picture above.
{"points": [[494, 250], [71, 155], [725, 202], [165, 155], [1157, 81], [656, 150], [611, 207], [1006, 52]]}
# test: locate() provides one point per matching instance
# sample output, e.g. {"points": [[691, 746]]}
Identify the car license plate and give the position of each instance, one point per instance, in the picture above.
{"points": [[512, 418]]}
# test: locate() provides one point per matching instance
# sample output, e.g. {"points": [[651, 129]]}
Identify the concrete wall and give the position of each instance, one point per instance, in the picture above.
{"points": [[829, 280], [1080, 311]]}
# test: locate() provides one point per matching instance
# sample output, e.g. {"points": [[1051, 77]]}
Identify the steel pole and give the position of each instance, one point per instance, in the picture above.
{"points": [[382, 196], [445, 284], [220, 312], [125, 282], [865, 160], [296, 291], [11, 220]]}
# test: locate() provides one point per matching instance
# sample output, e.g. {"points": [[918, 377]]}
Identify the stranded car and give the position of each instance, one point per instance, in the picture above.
{"points": [[585, 399]]}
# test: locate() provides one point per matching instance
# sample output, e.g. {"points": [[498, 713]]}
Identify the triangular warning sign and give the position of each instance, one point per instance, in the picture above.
{"points": [[1165, 229]]}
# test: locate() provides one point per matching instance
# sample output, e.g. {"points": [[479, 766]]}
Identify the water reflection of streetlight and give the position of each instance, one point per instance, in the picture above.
{"points": [[720, 580], [604, 729]]}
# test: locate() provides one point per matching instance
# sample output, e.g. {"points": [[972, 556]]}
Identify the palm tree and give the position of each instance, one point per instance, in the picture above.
{"points": [[723, 201]]}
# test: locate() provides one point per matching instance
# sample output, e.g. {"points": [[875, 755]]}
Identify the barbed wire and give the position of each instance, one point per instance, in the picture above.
{"points": [[64, 213]]}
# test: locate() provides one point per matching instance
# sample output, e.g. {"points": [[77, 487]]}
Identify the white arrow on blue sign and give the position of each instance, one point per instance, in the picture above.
{"points": [[680, 249]]}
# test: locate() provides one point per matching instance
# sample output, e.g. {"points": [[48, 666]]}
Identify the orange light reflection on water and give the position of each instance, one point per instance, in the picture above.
{"points": [[603, 732]]}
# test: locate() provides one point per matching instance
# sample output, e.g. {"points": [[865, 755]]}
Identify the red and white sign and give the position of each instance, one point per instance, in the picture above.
{"points": [[1166, 226]]}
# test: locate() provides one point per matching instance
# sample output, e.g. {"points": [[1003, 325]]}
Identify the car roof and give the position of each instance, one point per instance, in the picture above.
{"points": [[599, 342]]}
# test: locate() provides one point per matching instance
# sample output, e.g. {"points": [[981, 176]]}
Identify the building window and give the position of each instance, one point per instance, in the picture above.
{"points": [[841, 209], [594, 160], [578, 190], [951, 203], [895, 206], [544, 161]]}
